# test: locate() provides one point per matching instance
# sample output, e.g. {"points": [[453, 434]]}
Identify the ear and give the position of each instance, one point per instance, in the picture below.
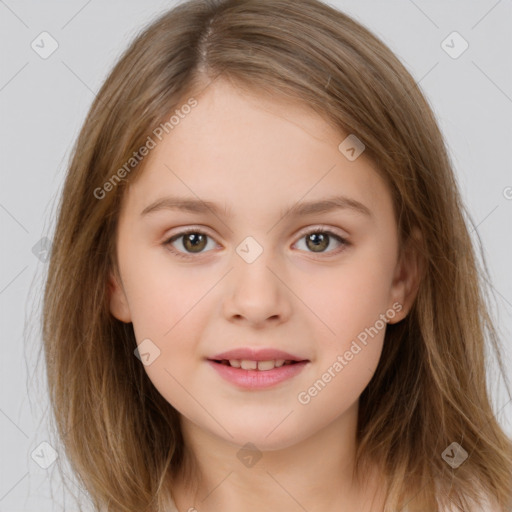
{"points": [[407, 277], [118, 303]]}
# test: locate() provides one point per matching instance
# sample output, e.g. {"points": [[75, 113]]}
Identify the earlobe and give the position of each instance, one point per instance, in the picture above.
{"points": [[118, 303], [408, 276]]}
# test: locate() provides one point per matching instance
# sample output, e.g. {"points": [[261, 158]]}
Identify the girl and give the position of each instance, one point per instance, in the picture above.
{"points": [[263, 294]]}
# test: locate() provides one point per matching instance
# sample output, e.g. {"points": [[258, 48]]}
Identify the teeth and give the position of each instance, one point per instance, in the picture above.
{"points": [[265, 365], [259, 365]]}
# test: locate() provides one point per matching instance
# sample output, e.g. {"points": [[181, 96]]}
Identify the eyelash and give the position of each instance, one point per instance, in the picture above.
{"points": [[318, 230]]}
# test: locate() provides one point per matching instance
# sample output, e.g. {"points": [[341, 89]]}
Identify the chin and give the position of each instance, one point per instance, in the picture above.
{"points": [[265, 435]]}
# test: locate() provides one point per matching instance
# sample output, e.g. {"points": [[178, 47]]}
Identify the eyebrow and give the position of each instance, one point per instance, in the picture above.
{"points": [[199, 206]]}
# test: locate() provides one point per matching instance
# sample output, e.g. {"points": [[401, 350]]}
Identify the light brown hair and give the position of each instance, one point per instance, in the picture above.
{"points": [[122, 437]]}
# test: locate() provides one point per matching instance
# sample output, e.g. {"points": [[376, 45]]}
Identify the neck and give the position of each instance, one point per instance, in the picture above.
{"points": [[313, 474]]}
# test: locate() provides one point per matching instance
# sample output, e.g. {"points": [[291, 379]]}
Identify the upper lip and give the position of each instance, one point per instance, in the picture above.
{"points": [[256, 354]]}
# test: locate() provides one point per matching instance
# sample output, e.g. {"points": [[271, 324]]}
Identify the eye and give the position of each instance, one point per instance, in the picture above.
{"points": [[318, 240], [192, 240]]}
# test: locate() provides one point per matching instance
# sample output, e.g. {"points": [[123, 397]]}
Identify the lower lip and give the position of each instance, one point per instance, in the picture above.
{"points": [[257, 379]]}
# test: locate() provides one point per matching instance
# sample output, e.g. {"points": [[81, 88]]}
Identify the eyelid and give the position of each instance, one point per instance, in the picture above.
{"points": [[186, 230], [304, 231], [323, 228]]}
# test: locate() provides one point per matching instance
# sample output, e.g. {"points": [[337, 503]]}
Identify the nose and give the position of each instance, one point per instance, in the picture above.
{"points": [[257, 293]]}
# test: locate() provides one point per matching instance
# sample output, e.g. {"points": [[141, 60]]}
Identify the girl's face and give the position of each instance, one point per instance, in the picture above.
{"points": [[318, 283]]}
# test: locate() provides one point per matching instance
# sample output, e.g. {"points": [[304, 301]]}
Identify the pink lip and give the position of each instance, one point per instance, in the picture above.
{"points": [[257, 379], [253, 354]]}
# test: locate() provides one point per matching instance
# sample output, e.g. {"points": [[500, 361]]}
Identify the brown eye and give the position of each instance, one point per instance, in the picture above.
{"points": [[319, 241], [194, 242], [191, 242]]}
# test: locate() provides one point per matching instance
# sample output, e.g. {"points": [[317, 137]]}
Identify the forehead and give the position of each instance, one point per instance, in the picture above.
{"points": [[254, 151]]}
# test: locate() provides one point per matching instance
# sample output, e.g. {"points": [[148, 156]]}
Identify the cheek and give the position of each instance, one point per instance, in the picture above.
{"points": [[347, 359], [350, 297], [162, 294], [168, 305], [350, 300]]}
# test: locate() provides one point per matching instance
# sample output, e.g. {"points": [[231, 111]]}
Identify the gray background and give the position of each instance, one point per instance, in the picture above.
{"points": [[43, 103]]}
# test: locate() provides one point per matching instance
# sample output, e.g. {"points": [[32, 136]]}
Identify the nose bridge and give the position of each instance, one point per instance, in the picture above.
{"points": [[252, 267], [256, 291]]}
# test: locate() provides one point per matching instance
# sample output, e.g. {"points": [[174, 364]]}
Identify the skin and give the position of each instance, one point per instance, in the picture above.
{"points": [[254, 156]]}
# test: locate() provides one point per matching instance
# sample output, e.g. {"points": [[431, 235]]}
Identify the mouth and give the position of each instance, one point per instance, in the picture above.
{"points": [[257, 369], [252, 358], [247, 364]]}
